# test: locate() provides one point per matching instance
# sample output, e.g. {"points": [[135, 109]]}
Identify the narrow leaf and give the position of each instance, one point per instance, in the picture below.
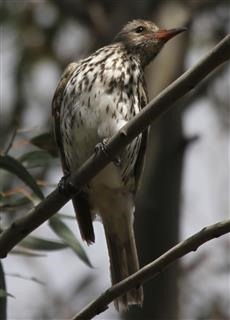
{"points": [[61, 229], [14, 166], [3, 294], [8, 202], [35, 159], [26, 252], [19, 276], [65, 216], [35, 243], [46, 142]]}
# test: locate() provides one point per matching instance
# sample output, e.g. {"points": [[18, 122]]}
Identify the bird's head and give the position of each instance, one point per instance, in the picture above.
{"points": [[145, 39]]}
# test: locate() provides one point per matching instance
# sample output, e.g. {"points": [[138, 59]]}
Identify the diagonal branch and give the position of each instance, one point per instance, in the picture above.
{"points": [[21, 227], [153, 269]]}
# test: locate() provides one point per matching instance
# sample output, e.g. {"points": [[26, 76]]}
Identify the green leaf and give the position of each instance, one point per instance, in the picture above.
{"points": [[65, 216], [36, 243], [35, 159], [26, 252], [2, 198], [3, 294], [14, 166], [46, 142], [9, 203], [19, 276], [61, 229]]}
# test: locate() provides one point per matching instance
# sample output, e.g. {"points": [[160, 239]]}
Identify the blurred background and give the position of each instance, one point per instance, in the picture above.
{"points": [[186, 181]]}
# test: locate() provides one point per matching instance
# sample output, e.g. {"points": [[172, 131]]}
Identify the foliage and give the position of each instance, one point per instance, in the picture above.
{"points": [[27, 194]]}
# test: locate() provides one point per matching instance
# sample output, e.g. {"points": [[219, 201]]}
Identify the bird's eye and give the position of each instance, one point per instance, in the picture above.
{"points": [[140, 29]]}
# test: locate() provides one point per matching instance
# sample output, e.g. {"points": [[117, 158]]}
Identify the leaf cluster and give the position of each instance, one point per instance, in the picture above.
{"points": [[26, 195]]}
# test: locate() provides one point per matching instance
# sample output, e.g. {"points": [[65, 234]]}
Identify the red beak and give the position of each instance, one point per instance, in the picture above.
{"points": [[165, 35]]}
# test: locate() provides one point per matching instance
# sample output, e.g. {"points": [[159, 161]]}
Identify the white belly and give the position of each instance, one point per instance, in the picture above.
{"points": [[109, 177], [98, 116]]}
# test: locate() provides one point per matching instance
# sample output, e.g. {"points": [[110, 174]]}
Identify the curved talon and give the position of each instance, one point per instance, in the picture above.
{"points": [[65, 187], [102, 146]]}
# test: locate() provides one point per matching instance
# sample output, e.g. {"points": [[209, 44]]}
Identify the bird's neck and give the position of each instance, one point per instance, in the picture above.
{"points": [[142, 56]]}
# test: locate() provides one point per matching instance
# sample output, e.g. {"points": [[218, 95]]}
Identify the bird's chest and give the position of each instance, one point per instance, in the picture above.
{"points": [[95, 108], [102, 114]]}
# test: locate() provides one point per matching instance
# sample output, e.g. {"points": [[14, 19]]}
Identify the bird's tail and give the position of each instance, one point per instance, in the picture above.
{"points": [[123, 263]]}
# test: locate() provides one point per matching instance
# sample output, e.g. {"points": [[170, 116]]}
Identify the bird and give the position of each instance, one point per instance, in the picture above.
{"points": [[95, 97]]}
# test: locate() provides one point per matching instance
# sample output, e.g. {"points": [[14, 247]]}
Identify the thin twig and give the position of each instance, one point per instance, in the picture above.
{"points": [[153, 269], [19, 276], [21, 227]]}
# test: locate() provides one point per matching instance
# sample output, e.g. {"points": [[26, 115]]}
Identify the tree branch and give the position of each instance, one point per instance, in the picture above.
{"points": [[21, 227], [153, 269]]}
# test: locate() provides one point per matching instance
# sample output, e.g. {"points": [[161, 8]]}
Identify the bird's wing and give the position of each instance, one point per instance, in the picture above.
{"points": [[139, 165], [80, 201], [56, 111]]}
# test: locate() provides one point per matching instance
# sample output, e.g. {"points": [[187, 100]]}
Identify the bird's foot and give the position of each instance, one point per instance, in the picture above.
{"points": [[65, 187], [102, 147]]}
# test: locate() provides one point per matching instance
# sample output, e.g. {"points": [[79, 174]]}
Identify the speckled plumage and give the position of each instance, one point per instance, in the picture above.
{"points": [[95, 98], [98, 101]]}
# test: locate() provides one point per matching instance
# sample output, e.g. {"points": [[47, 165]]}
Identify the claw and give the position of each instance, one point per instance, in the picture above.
{"points": [[65, 187], [102, 147]]}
